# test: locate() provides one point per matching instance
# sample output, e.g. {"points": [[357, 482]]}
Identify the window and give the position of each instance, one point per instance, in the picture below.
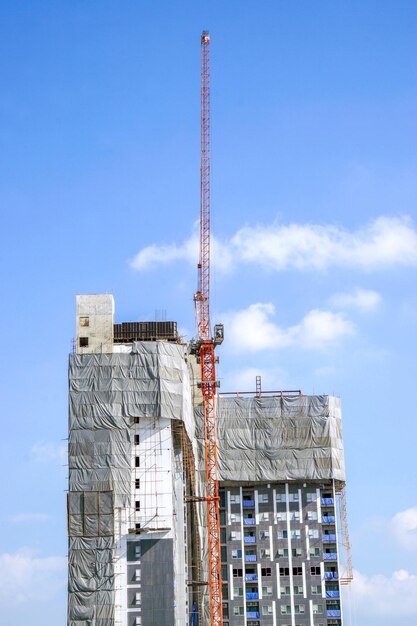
{"points": [[138, 621], [297, 571], [137, 552], [136, 420], [263, 498], [234, 499], [83, 342], [282, 534], [265, 553], [235, 517], [285, 609], [313, 533], [267, 591], [296, 551], [299, 608], [137, 483], [84, 321], [284, 571], [315, 571], [285, 590], [137, 505], [293, 497], [238, 591], [237, 572], [236, 554], [235, 535], [266, 571], [264, 517], [317, 609], [312, 515], [267, 610], [264, 534], [137, 574], [136, 440], [281, 517], [137, 598], [312, 496], [137, 461], [295, 534], [316, 590], [295, 516], [238, 610], [283, 552], [298, 591], [314, 552], [280, 497]]}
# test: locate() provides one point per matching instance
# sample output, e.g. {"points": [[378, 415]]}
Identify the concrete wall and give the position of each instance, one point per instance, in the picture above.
{"points": [[94, 323]]}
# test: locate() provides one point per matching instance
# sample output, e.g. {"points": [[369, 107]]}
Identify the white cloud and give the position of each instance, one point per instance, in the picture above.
{"points": [[385, 597], [27, 577], [404, 528], [188, 251], [362, 299], [47, 451], [385, 242], [252, 329], [29, 517]]}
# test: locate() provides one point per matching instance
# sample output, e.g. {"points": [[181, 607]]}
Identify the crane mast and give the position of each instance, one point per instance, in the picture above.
{"points": [[206, 345]]}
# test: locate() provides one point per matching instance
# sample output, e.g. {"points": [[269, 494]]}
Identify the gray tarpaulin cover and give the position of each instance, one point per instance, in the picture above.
{"points": [[106, 391], [278, 438]]}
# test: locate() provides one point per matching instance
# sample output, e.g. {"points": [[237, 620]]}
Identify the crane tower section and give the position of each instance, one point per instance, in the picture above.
{"points": [[205, 347]]}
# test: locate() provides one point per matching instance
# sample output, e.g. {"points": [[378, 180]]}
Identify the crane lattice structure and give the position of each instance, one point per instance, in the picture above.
{"points": [[206, 345]]}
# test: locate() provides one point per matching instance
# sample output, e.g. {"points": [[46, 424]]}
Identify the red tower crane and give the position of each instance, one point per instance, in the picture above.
{"points": [[206, 344]]}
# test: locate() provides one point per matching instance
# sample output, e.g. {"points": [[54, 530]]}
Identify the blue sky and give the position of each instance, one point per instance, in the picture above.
{"points": [[314, 199]]}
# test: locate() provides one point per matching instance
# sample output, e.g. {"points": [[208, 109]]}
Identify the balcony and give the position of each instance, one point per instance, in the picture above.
{"points": [[331, 575], [330, 556], [329, 538], [252, 595], [334, 613], [254, 614], [251, 577], [333, 594], [327, 501], [250, 558], [249, 539], [249, 521], [249, 503], [328, 519]]}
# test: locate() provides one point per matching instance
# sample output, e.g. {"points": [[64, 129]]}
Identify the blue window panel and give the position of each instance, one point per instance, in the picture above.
{"points": [[252, 595], [250, 558], [250, 539], [252, 614], [328, 538], [328, 519], [251, 576], [332, 594], [334, 613], [249, 521], [327, 500], [250, 503]]}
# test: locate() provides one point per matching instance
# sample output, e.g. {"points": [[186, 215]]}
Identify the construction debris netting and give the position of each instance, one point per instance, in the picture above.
{"points": [[107, 391], [273, 439]]}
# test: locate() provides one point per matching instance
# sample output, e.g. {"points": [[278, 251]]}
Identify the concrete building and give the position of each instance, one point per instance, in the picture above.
{"points": [[137, 537]]}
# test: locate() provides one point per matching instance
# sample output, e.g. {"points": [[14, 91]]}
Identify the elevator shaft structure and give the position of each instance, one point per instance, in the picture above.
{"points": [[206, 345]]}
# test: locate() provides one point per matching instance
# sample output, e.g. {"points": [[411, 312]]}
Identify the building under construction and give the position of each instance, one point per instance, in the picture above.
{"points": [[137, 526], [187, 507]]}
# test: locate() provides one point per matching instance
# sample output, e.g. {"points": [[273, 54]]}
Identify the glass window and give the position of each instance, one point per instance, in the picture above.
{"points": [[264, 534], [263, 498], [312, 496], [235, 535], [234, 499], [313, 533], [312, 515], [295, 534]]}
